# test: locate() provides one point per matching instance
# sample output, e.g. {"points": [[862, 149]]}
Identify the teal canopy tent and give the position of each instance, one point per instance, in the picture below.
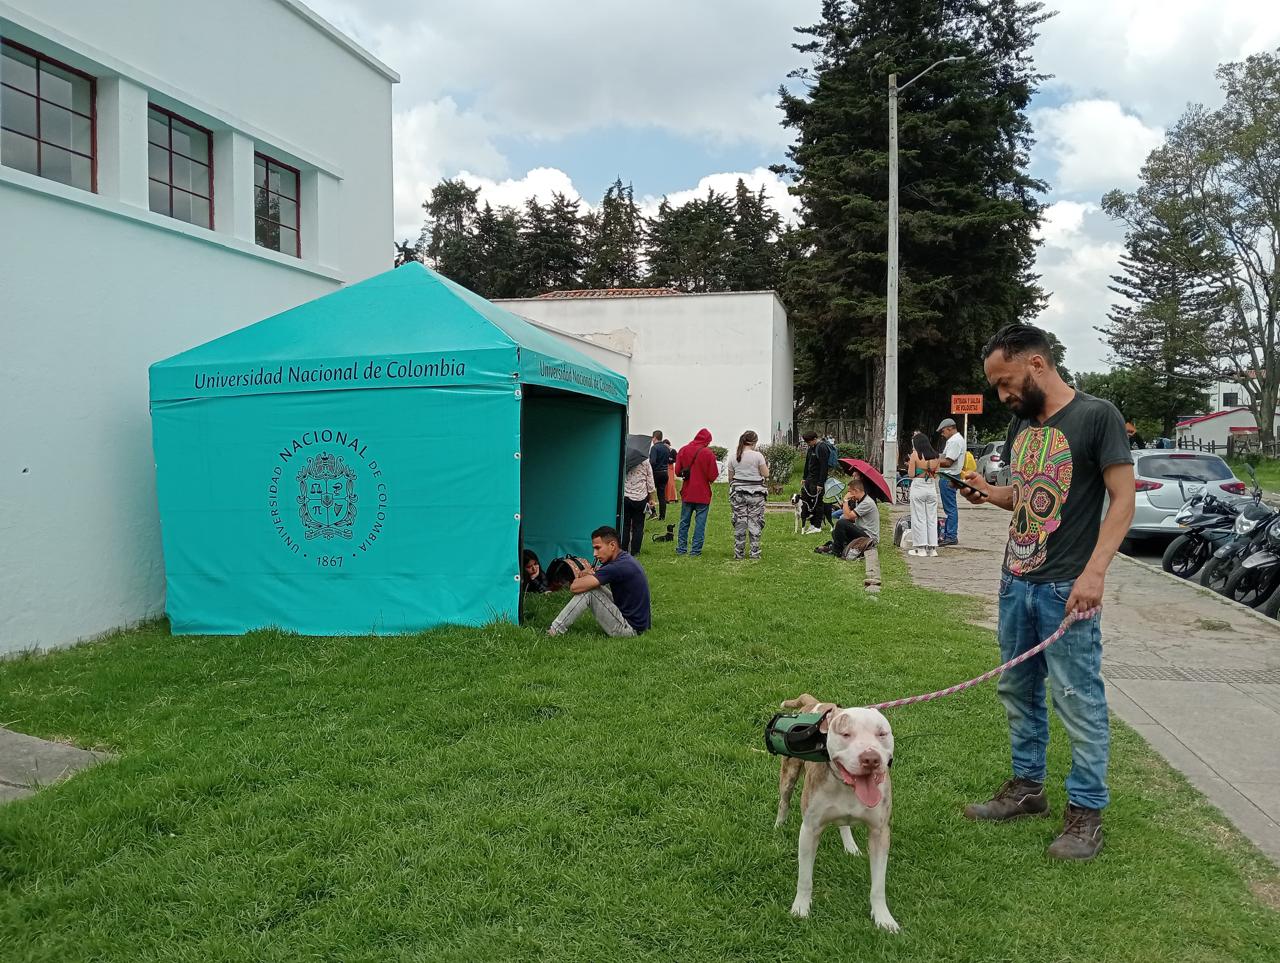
{"points": [[373, 460]]}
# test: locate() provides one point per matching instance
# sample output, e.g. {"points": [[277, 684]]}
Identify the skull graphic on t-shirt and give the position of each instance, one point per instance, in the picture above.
{"points": [[1041, 470]]}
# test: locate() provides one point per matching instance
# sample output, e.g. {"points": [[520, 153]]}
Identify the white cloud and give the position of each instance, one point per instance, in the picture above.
{"points": [[432, 141], [556, 67], [1080, 251], [1095, 145], [541, 182], [1063, 221], [726, 183], [1153, 55]]}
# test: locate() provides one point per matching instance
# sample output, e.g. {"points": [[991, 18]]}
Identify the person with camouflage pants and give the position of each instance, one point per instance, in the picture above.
{"points": [[748, 473]]}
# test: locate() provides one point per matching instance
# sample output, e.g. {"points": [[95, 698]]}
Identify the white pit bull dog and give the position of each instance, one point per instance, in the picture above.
{"points": [[854, 786]]}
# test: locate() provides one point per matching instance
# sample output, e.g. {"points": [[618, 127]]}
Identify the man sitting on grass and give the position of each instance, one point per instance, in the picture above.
{"points": [[615, 589], [858, 522]]}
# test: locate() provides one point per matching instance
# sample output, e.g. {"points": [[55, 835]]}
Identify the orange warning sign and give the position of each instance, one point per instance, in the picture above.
{"points": [[966, 404]]}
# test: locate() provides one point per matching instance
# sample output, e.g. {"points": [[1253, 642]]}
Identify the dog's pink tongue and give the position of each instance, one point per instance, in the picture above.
{"points": [[867, 789]]}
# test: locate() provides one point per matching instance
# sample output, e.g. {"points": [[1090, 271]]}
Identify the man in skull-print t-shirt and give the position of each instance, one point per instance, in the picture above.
{"points": [[1058, 488], [1068, 454]]}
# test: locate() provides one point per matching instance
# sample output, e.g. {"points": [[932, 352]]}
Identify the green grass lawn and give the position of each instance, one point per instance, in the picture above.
{"points": [[1268, 473], [495, 795]]}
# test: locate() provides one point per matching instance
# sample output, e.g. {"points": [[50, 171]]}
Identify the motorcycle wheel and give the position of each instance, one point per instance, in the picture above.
{"points": [[1216, 571], [1271, 607], [1185, 556], [1251, 586]]}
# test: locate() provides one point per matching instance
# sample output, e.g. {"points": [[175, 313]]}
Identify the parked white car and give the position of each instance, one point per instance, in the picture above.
{"points": [[1166, 479], [990, 460]]}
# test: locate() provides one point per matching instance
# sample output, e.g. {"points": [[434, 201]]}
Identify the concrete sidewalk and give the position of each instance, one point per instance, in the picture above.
{"points": [[27, 763], [1196, 675]]}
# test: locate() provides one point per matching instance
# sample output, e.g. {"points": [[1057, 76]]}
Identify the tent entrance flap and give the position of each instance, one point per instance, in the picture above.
{"points": [[570, 470]]}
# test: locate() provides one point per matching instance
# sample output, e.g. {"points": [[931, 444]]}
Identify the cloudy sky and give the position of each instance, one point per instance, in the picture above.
{"points": [[676, 95]]}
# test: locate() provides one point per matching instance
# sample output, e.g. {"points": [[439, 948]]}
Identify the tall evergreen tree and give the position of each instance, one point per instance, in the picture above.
{"points": [[756, 255], [1221, 169], [968, 207], [498, 254], [448, 238], [553, 245], [614, 238], [690, 247], [1163, 329]]}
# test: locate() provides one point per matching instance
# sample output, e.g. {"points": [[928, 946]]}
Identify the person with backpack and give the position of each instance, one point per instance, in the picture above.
{"points": [[819, 462], [696, 465], [661, 457], [952, 460]]}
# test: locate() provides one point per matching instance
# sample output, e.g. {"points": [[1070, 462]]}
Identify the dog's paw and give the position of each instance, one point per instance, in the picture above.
{"points": [[800, 908], [782, 818], [884, 920], [846, 837]]}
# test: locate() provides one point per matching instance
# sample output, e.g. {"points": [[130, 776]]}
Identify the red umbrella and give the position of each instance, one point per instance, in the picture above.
{"points": [[877, 488]]}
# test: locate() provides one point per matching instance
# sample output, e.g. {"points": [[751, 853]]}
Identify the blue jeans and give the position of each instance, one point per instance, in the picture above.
{"points": [[699, 527], [1029, 613], [951, 529]]}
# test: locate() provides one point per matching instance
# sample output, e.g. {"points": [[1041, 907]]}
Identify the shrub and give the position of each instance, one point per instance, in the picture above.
{"points": [[850, 450], [781, 460], [719, 451]]}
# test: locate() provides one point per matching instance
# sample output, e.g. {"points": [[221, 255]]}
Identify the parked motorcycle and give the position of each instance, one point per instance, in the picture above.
{"points": [[1208, 520], [1246, 537], [1258, 576]]}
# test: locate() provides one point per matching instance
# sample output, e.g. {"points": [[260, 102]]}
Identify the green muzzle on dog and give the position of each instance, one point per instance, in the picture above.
{"points": [[797, 734]]}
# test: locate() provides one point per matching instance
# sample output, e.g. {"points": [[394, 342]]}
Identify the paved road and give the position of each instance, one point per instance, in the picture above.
{"points": [[1197, 675]]}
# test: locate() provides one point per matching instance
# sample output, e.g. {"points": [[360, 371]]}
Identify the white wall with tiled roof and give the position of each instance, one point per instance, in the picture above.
{"points": [[720, 361]]}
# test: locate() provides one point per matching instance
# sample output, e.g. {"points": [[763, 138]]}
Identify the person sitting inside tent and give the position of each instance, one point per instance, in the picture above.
{"points": [[616, 590], [534, 579]]}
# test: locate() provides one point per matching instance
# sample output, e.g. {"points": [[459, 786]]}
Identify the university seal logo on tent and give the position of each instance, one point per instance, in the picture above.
{"points": [[327, 497]]}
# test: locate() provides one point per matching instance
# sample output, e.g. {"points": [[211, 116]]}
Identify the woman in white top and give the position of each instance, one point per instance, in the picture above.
{"points": [[748, 473], [638, 491], [922, 469]]}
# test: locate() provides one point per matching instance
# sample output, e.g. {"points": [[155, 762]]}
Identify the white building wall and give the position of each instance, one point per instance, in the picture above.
{"points": [[1217, 429], [783, 376], [720, 361], [95, 287]]}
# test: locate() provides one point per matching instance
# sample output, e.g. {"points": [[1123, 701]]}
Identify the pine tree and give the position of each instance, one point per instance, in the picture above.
{"points": [[448, 238], [968, 208], [552, 246], [498, 254], [756, 258], [690, 247], [614, 238], [1163, 331]]}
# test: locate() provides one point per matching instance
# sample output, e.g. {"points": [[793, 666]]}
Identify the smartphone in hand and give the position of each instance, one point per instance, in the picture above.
{"points": [[961, 483]]}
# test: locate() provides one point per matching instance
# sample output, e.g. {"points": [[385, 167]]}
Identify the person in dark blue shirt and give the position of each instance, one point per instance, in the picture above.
{"points": [[615, 589]]}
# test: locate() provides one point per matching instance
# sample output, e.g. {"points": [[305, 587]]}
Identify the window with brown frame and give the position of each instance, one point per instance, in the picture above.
{"points": [[46, 117], [277, 224], [179, 167]]}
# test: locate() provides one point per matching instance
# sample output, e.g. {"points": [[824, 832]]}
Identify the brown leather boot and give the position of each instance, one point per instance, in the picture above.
{"points": [[1017, 797], [1081, 836]]}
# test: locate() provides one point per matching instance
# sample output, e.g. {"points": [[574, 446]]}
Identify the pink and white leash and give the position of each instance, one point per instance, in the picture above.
{"points": [[1077, 616]]}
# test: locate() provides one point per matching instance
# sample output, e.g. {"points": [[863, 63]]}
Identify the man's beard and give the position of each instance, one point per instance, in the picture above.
{"points": [[1031, 399]]}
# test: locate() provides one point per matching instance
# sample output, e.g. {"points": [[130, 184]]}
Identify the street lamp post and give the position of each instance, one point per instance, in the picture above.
{"points": [[890, 466]]}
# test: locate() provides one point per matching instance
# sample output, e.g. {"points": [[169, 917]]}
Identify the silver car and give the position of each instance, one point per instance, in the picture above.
{"points": [[990, 460], [1166, 479]]}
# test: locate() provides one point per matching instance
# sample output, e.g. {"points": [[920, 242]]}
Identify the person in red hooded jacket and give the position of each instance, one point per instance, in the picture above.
{"points": [[696, 464]]}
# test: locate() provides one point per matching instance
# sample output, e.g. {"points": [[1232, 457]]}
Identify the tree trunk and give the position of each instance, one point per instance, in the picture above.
{"points": [[875, 410], [1266, 408]]}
